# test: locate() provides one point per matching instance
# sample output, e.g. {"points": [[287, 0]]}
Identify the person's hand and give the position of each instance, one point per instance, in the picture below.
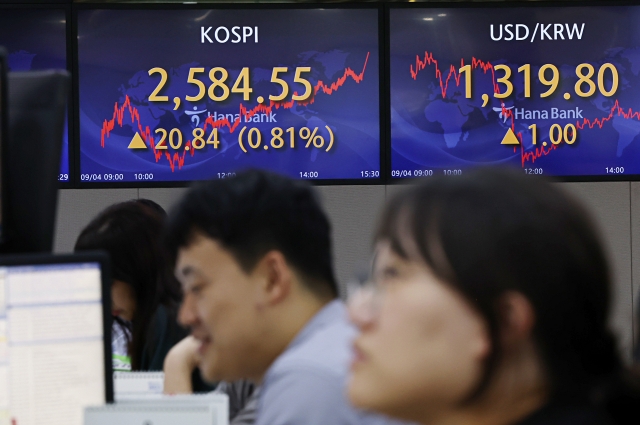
{"points": [[180, 362]]}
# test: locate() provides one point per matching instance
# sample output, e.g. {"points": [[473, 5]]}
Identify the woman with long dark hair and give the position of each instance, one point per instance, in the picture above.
{"points": [[488, 305], [144, 291]]}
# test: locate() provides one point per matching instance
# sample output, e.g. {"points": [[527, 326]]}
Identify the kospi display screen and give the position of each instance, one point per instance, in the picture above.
{"points": [[552, 90], [36, 38], [170, 95]]}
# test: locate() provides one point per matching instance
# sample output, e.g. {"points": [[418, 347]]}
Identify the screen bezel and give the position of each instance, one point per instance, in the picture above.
{"points": [[105, 271], [4, 132], [227, 6], [488, 5], [66, 7]]}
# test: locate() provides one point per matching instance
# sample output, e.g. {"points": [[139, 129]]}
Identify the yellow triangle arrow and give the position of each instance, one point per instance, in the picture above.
{"points": [[510, 138], [137, 142]]}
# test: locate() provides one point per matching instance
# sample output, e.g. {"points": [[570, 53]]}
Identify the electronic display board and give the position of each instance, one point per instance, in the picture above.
{"points": [[181, 94], [35, 39], [554, 90]]}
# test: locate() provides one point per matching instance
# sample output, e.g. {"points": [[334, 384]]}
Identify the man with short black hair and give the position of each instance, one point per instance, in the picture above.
{"points": [[253, 254]]}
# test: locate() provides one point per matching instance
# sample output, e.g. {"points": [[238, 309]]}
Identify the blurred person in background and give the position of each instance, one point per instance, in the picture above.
{"points": [[253, 255], [145, 294], [488, 304]]}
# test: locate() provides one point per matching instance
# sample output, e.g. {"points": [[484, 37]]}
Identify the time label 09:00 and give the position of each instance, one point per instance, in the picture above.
{"points": [[422, 173]]}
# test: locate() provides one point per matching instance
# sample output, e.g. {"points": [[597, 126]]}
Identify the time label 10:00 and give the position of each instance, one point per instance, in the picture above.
{"points": [[584, 87], [219, 90], [136, 176], [423, 173]]}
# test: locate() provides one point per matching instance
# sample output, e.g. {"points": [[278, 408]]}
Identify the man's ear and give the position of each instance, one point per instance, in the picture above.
{"points": [[276, 277], [517, 318]]}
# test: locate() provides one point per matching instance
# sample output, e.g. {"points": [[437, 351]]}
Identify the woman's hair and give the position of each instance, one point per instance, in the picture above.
{"points": [[496, 230], [130, 233]]}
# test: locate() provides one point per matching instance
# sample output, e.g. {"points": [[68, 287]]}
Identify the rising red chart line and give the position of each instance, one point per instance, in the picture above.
{"points": [[486, 66], [177, 158]]}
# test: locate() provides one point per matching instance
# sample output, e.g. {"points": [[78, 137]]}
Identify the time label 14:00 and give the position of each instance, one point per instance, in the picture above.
{"points": [[584, 87]]}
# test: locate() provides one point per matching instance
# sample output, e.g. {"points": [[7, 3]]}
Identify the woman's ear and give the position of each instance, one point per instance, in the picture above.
{"points": [[517, 318]]}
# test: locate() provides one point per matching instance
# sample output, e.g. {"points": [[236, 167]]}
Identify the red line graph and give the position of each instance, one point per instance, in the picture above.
{"points": [[616, 110], [178, 158], [453, 71], [485, 66]]}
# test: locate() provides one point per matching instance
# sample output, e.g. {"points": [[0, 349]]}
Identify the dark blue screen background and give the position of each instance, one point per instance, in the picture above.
{"points": [[435, 132], [117, 48], [36, 39]]}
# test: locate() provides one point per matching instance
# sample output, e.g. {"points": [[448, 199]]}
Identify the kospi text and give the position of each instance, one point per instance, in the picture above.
{"points": [[234, 35]]}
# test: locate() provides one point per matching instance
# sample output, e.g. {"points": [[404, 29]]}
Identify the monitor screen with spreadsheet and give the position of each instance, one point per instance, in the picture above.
{"points": [[52, 344]]}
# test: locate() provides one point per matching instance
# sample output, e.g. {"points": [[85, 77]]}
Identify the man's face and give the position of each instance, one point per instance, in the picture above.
{"points": [[222, 307]]}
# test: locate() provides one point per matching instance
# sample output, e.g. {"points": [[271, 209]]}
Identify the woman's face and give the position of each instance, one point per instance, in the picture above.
{"points": [[421, 345], [123, 300]]}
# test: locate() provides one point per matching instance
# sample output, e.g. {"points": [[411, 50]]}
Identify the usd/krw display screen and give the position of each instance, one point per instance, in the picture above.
{"points": [[552, 90], [191, 94], [36, 39]]}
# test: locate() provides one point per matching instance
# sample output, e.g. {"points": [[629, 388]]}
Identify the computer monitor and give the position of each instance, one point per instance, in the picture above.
{"points": [[298, 93], [548, 88], [3, 138], [36, 37], [55, 338], [37, 107]]}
